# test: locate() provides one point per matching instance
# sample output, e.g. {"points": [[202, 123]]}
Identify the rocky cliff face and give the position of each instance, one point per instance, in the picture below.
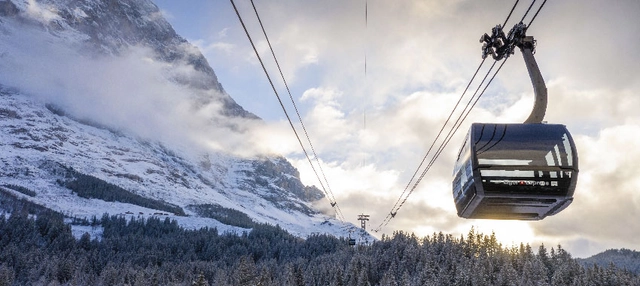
{"points": [[112, 27], [51, 157]]}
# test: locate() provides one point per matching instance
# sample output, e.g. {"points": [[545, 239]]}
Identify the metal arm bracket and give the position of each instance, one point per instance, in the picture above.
{"points": [[539, 88], [500, 46]]}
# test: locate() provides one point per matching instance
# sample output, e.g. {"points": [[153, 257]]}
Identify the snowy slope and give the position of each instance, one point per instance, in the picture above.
{"points": [[36, 144], [49, 123]]}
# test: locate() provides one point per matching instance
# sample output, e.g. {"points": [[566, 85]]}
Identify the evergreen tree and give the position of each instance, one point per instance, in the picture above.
{"points": [[42, 251], [200, 281], [7, 275], [245, 272]]}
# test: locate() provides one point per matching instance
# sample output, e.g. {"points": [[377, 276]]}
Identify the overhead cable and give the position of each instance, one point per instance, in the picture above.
{"points": [[510, 12], [407, 192], [527, 12], [331, 197], [536, 14], [395, 206], [333, 203]]}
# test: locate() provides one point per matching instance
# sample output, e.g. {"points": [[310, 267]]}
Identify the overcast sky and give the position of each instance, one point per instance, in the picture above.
{"points": [[419, 57]]}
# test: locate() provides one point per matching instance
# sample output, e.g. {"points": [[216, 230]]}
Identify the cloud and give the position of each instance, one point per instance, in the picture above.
{"points": [[567, 22], [40, 12], [132, 93], [420, 55], [223, 33], [606, 199], [165, 14]]}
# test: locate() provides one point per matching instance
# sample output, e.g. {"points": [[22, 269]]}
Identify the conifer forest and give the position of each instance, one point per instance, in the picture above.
{"points": [[37, 248]]}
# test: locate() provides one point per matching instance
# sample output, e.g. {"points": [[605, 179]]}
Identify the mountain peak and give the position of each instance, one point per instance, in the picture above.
{"points": [[115, 27], [106, 109]]}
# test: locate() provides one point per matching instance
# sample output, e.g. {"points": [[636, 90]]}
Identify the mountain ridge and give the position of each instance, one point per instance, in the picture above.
{"points": [[69, 115], [622, 258]]}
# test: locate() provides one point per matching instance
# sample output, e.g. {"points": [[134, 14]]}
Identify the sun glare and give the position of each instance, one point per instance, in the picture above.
{"points": [[508, 232]]}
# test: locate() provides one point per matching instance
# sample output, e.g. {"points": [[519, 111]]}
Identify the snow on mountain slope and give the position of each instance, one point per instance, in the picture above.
{"points": [[36, 143], [107, 89]]}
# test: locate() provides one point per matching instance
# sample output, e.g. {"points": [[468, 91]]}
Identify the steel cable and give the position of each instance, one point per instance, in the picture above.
{"points": [[282, 105], [406, 193], [331, 197]]}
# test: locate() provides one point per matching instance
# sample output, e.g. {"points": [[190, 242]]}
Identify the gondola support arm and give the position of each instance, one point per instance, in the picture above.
{"points": [[527, 45]]}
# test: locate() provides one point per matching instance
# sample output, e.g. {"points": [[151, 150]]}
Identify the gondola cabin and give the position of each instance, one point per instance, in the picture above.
{"points": [[515, 171]]}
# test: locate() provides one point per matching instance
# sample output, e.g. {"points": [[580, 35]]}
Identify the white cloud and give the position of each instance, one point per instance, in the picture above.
{"points": [[166, 14], [420, 56], [132, 93], [607, 203], [41, 12], [223, 33]]}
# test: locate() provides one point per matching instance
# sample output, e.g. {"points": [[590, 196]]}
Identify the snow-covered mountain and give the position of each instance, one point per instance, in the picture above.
{"points": [[105, 109]]}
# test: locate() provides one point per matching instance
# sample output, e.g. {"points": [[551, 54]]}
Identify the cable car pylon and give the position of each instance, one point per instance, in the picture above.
{"points": [[363, 218]]}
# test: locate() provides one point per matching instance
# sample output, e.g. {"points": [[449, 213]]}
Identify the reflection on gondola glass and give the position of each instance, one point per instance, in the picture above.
{"points": [[515, 171]]}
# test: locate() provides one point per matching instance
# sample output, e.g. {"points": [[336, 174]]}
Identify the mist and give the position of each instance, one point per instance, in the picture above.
{"points": [[131, 93]]}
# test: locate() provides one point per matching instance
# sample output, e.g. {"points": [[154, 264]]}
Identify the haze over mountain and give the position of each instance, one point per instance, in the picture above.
{"points": [[105, 94]]}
